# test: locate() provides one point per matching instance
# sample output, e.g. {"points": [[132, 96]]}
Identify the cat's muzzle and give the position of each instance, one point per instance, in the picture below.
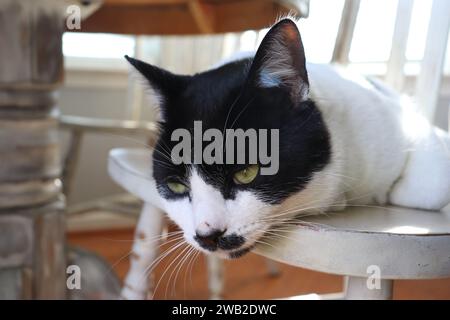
{"points": [[217, 240]]}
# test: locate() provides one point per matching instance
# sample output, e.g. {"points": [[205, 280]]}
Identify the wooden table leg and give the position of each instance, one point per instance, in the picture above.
{"points": [[32, 236]]}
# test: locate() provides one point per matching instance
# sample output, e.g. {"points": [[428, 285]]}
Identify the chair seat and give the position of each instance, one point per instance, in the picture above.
{"points": [[404, 243], [132, 170]]}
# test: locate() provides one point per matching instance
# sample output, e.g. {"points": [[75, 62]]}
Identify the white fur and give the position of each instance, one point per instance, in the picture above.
{"points": [[277, 68], [208, 210], [212, 211], [208, 205], [382, 152]]}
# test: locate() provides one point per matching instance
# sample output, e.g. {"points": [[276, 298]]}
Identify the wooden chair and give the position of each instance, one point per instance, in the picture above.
{"points": [[189, 16]]}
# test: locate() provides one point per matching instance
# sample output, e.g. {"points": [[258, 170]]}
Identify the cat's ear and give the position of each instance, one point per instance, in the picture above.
{"points": [[280, 61], [160, 85]]}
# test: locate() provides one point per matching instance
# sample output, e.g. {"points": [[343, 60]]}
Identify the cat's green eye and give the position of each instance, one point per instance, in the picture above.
{"points": [[247, 175], [177, 187]]}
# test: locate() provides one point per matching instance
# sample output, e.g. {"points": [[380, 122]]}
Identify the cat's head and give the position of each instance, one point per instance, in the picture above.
{"points": [[227, 208]]}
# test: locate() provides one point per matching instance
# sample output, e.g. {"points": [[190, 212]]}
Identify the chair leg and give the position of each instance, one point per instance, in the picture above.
{"points": [[357, 288], [137, 286], [215, 277]]}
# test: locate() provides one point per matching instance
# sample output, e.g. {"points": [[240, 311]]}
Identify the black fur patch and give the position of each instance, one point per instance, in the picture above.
{"points": [[239, 253], [230, 97]]}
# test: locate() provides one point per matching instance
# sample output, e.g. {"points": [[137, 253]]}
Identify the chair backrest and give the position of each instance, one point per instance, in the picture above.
{"points": [[345, 32], [429, 79]]}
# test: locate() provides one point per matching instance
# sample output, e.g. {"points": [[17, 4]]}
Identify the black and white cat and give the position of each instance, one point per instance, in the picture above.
{"points": [[342, 140]]}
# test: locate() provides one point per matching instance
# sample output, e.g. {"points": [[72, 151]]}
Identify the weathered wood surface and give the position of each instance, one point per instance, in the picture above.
{"points": [[16, 240], [31, 68], [32, 227], [15, 284], [23, 98], [189, 16], [28, 193], [29, 149], [31, 42], [34, 238], [49, 265]]}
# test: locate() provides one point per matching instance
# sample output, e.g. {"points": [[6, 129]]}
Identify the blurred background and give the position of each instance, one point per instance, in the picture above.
{"points": [[98, 85], [69, 84]]}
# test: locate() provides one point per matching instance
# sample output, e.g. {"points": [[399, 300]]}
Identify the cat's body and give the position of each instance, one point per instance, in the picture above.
{"points": [[365, 162], [343, 140], [378, 139]]}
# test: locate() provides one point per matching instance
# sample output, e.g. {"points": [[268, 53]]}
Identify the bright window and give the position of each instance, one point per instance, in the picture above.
{"points": [[97, 45], [370, 48], [373, 31], [319, 30]]}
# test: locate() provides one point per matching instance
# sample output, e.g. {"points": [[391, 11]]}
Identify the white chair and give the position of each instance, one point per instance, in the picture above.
{"points": [[371, 246], [432, 65]]}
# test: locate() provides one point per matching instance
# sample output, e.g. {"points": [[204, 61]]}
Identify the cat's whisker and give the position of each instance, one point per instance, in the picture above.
{"points": [[230, 109], [183, 264], [302, 208], [169, 153], [149, 269], [137, 141], [198, 254], [169, 267], [298, 209], [167, 156], [281, 236], [171, 240], [111, 268], [149, 239], [166, 254], [242, 111], [266, 244], [176, 267], [189, 267]]}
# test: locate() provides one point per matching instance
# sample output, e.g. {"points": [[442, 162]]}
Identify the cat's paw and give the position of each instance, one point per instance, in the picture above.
{"points": [[425, 182]]}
